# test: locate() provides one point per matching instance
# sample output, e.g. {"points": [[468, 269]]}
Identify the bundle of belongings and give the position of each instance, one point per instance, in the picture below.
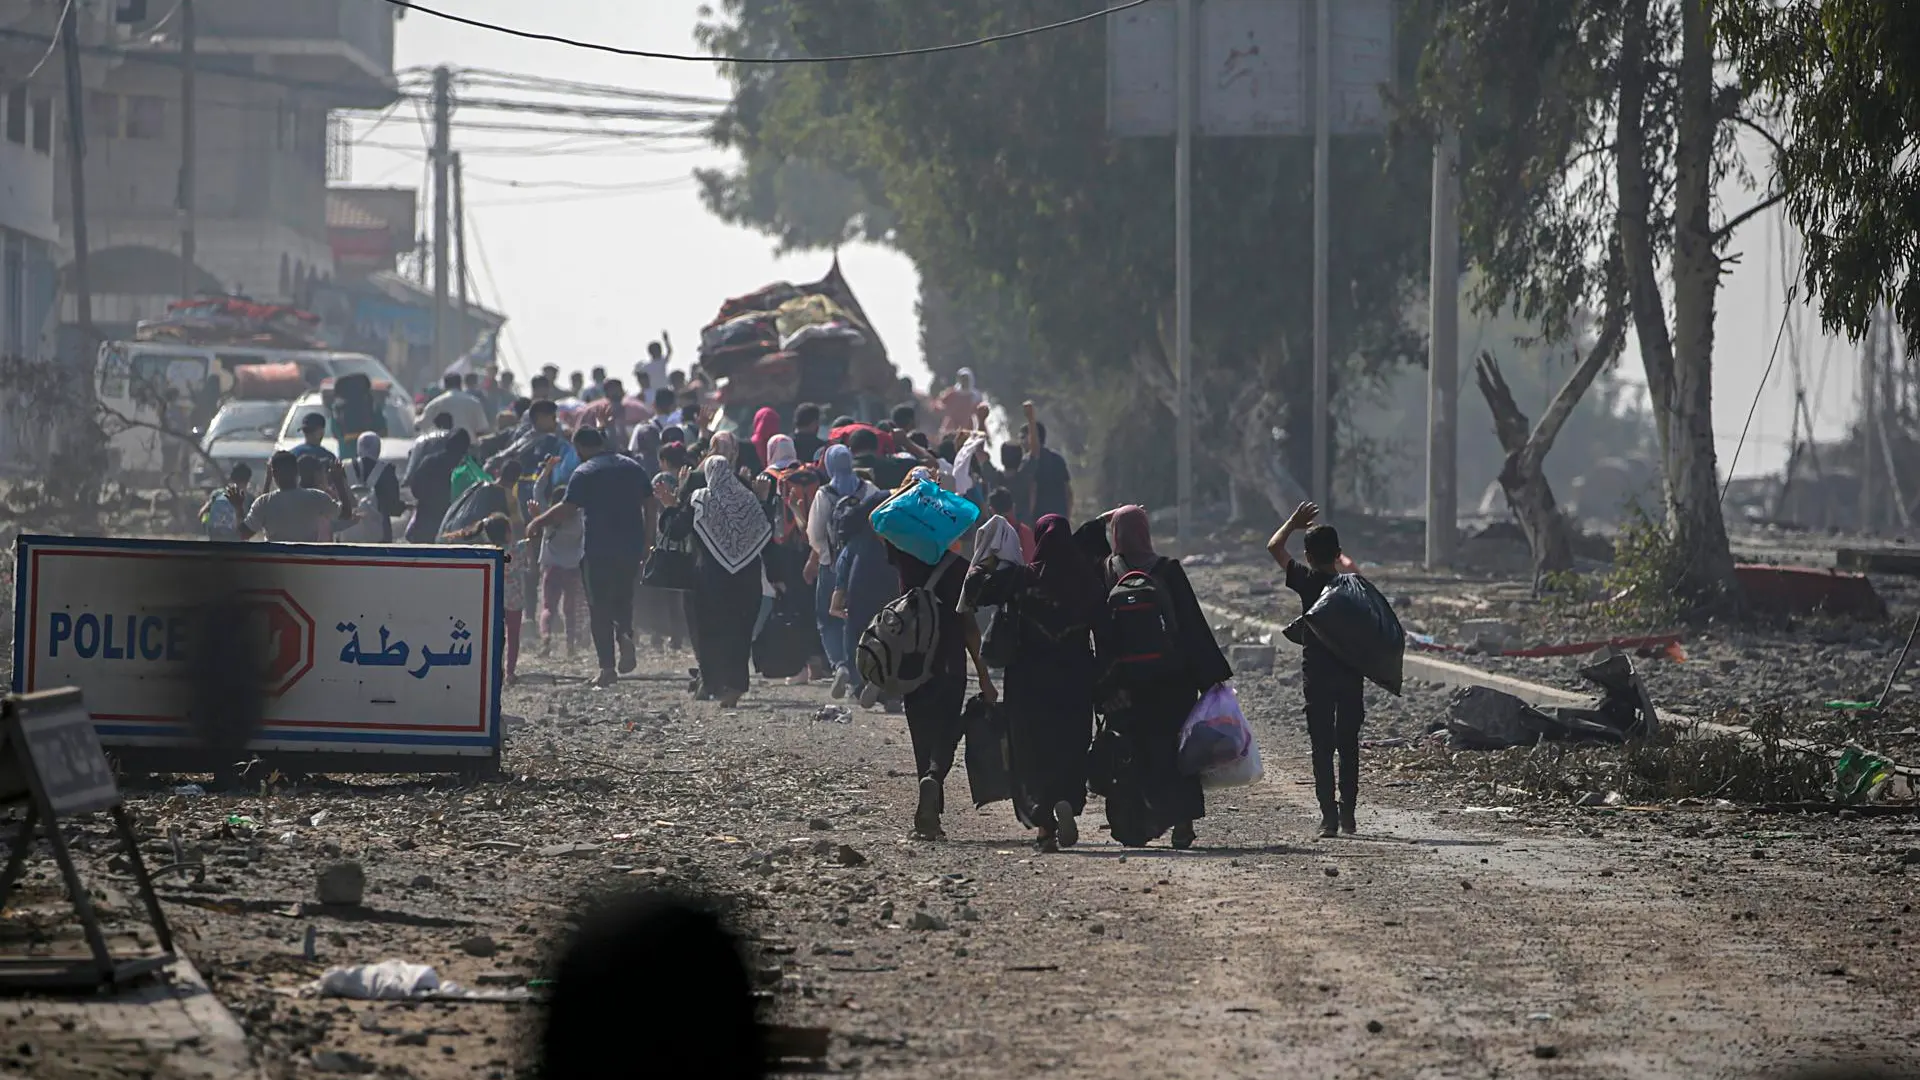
{"points": [[233, 320], [1481, 718], [782, 343], [1357, 624]]}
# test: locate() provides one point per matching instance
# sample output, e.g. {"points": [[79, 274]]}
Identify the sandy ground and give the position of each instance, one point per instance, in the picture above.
{"points": [[1451, 939]]}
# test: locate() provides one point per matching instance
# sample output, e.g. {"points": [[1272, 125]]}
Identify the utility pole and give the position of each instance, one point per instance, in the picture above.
{"points": [[189, 121], [77, 186], [1183, 265], [442, 212], [1322, 177], [460, 230], [1443, 359], [1869, 422]]}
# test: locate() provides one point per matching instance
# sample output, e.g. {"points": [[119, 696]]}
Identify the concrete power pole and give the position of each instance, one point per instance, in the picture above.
{"points": [[1322, 482], [460, 230], [1443, 360], [189, 122], [1869, 423], [77, 186], [442, 213], [1183, 266]]}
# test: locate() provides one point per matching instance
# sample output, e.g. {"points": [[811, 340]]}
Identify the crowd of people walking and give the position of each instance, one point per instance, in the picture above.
{"points": [[760, 550]]}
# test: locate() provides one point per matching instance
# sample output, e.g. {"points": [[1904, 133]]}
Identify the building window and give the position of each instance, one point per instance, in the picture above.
{"points": [[17, 116], [103, 114], [43, 125], [146, 117]]}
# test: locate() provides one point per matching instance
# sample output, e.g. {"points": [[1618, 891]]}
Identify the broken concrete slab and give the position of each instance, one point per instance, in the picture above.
{"points": [[1491, 635], [1252, 659]]}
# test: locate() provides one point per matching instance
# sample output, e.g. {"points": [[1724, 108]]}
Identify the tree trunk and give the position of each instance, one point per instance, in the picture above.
{"points": [[1528, 493], [1693, 480], [1679, 360]]}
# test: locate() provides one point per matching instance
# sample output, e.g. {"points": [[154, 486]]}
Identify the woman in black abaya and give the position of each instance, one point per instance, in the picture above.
{"points": [[1056, 606]]}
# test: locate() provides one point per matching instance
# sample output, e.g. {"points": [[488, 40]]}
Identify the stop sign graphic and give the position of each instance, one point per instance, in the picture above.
{"points": [[284, 633]]}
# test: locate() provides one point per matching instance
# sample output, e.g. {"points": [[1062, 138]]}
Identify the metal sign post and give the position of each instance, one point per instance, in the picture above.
{"points": [[1322, 485], [1240, 68], [51, 761], [1183, 266]]}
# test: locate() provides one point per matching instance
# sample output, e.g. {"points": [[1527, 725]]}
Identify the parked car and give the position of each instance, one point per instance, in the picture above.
{"points": [[242, 431], [394, 447], [135, 377]]}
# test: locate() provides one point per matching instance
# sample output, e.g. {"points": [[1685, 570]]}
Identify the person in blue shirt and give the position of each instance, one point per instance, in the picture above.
{"points": [[611, 492], [313, 428]]}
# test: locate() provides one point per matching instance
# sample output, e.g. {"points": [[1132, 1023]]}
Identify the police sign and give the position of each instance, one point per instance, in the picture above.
{"points": [[386, 653]]}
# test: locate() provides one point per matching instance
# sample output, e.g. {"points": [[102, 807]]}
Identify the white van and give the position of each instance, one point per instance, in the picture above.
{"points": [[135, 377]]}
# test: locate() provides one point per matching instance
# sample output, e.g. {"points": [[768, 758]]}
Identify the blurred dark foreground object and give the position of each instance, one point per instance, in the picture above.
{"points": [[652, 986]]}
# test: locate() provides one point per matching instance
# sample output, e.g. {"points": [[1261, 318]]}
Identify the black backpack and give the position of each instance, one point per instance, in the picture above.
{"points": [[845, 522], [1143, 643]]}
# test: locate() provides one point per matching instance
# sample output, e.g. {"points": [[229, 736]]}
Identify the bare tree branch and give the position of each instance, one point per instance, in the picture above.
{"points": [[1724, 232]]}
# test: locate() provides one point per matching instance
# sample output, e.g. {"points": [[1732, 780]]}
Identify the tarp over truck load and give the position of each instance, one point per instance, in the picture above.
{"points": [[788, 343]]}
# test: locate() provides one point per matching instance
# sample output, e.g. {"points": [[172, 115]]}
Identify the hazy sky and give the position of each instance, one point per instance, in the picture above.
{"points": [[589, 276]]}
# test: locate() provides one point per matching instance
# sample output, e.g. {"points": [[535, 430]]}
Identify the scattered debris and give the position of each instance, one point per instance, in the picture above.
{"points": [[342, 884], [398, 980], [1252, 659], [1805, 590], [1482, 718]]}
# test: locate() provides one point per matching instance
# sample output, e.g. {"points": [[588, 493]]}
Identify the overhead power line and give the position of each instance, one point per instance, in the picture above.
{"points": [[556, 108], [52, 44], [648, 54], [511, 80], [579, 185]]}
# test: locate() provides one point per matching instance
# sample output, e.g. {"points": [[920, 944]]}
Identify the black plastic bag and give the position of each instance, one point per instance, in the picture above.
{"points": [[989, 752], [1358, 626], [1001, 643], [786, 644]]}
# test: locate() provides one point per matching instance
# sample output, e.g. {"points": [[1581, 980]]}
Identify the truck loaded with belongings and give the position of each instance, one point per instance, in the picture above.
{"points": [[785, 344]]}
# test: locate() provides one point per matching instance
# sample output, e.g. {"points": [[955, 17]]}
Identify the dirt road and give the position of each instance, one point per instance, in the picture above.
{"points": [[1440, 943], [1449, 940]]}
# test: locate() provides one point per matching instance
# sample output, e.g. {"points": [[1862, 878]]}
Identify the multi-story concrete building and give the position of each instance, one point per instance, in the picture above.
{"points": [[268, 76], [33, 245]]}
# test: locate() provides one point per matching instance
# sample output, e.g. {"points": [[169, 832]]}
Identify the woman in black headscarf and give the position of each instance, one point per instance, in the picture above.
{"points": [[1055, 607], [1146, 792], [431, 483]]}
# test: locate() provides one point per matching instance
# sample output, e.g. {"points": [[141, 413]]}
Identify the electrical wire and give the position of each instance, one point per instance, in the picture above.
{"points": [[600, 196], [1793, 294], [506, 328], [52, 45], [509, 80], [577, 185], [647, 54], [578, 146], [556, 108]]}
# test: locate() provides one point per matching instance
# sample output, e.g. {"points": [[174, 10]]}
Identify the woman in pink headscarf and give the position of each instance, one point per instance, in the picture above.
{"points": [[766, 424], [1146, 792]]}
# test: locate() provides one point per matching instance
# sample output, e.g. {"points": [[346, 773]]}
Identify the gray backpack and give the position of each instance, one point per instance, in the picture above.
{"points": [[897, 648]]}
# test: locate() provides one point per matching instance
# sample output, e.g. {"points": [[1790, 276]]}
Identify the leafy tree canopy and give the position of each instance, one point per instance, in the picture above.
{"points": [[993, 170], [1843, 78]]}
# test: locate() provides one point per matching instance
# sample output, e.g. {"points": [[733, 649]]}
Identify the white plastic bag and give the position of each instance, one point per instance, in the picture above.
{"points": [[388, 980], [1216, 734], [1247, 770]]}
